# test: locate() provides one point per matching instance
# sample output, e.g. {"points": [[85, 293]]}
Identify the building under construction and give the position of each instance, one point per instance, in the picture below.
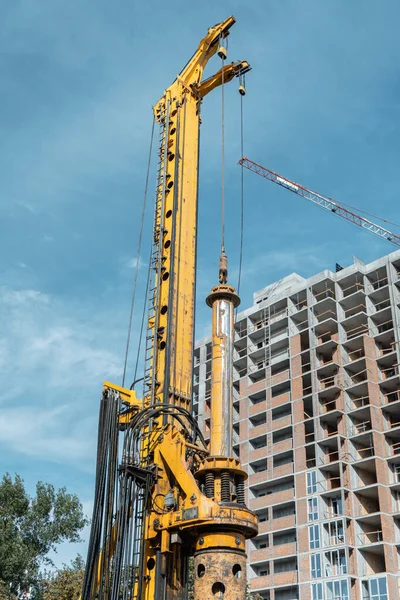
{"points": [[317, 426]]}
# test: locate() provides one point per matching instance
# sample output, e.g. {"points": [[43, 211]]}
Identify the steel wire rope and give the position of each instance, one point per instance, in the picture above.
{"points": [[138, 253], [144, 312], [241, 197], [222, 156]]}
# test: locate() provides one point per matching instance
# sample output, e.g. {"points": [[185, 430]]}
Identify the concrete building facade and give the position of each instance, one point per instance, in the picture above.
{"points": [[317, 426]]}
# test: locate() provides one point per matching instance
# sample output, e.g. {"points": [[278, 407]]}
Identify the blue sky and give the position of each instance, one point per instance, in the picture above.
{"points": [[78, 82]]}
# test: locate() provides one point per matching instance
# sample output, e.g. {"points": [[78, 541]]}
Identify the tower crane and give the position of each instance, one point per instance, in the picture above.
{"points": [[320, 200], [161, 494]]}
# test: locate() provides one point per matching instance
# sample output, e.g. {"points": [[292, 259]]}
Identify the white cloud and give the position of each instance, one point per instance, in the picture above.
{"points": [[131, 263], [43, 434], [52, 366]]}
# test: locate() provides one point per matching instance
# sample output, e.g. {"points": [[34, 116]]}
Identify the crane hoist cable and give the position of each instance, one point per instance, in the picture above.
{"points": [[138, 256], [222, 52], [144, 314], [242, 92]]}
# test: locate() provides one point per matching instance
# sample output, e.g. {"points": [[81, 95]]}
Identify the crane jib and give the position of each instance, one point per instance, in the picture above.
{"points": [[320, 200]]}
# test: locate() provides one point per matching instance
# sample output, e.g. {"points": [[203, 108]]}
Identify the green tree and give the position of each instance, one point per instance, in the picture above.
{"points": [[253, 595], [63, 584], [31, 527]]}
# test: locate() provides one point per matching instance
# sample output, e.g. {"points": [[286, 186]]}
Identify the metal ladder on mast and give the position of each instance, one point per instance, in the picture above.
{"points": [[150, 382]]}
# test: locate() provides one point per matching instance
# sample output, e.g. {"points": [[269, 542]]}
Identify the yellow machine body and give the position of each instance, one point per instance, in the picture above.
{"points": [[192, 508]]}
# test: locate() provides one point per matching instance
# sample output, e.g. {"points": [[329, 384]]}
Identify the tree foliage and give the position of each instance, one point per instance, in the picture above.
{"points": [[31, 527], [63, 584], [253, 596]]}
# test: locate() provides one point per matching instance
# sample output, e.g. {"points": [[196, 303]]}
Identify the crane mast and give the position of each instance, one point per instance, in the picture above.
{"points": [[320, 200], [161, 494]]}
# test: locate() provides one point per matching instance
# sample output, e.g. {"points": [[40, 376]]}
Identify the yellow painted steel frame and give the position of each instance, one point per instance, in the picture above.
{"points": [[193, 514], [173, 532], [179, 112], [174, 325]]}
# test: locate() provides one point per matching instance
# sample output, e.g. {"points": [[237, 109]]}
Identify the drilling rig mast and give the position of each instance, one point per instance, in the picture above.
{"points": [[161, 494]]}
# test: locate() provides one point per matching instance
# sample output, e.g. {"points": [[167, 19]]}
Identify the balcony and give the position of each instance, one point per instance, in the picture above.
{"points": [[353, 305], [360, 427], [257, 478], [326, 309], [280, 422], [280, 398], [277, 316], [300, 303], [368, 538], [352, 286], [378, 281], [257, 372], [381, 304], [286, 522], [382, 322], [257, 556], [393, 439], [354, 350], [280, 353], [355, 326], [299, 322], [323, 290], [390, 391], [282, 445], [365, 481], [257, 454], [282, 550], [332, 481], [275, 580], [280, 377], [240, 368], [272, 498], [388, 371], [366, 507], [239, 352], [357, 402], [333, 405], [391, 413], [330, 380], [282, 470], [326, 331], [258, 352], [257, 325], [363, 448], [260, 407], [330, 452], [279, 334], [356, 375], [260, 430]]}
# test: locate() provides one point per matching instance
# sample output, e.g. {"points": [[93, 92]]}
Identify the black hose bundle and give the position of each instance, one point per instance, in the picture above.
{"points": [[123, 496]]}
